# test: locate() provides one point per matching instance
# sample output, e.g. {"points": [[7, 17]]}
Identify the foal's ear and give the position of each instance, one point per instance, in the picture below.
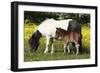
{"points": [[57, 28]]}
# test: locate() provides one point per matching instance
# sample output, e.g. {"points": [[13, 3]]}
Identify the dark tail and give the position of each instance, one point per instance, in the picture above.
{"points": [[80, 42]]}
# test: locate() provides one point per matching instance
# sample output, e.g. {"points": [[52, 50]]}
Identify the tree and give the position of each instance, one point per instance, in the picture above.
{"points": [[38, 17]]}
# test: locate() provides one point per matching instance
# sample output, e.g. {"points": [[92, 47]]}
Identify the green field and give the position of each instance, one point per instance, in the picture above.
{"points": [[58, 45]]}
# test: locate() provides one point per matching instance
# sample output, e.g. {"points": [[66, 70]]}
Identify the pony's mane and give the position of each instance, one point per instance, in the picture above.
{"points": [[48, 20]]}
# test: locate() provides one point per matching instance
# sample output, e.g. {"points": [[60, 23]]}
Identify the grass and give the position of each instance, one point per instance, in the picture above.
{"points": [[58, 45]]}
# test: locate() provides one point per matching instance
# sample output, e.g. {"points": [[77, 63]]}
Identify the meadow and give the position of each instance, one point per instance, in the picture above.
{"points": [[58, 54]]}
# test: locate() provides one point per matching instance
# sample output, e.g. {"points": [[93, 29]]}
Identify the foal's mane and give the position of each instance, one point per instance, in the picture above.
{"points": [[62, 31]]}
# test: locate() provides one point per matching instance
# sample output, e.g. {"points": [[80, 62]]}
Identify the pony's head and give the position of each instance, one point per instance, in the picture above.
{"points": [[34, 41]]}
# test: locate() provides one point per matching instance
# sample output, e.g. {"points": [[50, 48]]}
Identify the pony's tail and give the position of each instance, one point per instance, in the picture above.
{"points": [[80, 43]]}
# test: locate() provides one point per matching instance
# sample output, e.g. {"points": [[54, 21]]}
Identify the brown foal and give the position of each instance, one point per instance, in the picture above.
{"points": [[67, 37]]}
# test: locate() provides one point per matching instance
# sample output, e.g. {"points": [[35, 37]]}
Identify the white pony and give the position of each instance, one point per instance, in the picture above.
{"points": [[48, 29]]}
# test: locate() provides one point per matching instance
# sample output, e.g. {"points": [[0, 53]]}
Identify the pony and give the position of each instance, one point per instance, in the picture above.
{"points": [[75, 26], [68, 37], [48, 29]]}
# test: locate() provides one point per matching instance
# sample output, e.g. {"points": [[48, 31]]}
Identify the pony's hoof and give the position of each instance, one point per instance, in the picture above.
{"points": [[52, 52], [45, 52], [68, 52]]}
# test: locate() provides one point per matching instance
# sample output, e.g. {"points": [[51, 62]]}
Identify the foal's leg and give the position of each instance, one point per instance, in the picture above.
{"points": [[65, 48], [77, 44], [68, 49], [47, 44], [77, 48], [66, 42]]}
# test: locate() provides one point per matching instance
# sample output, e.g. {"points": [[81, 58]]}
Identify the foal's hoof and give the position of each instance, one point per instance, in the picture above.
{"points": [[65, 53]]}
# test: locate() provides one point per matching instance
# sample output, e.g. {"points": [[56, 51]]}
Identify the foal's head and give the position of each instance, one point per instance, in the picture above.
{"points": [[60, 33]]}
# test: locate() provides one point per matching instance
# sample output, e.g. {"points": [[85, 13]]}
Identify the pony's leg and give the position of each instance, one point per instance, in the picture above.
{"points": [[47, 44], [52, 49], [52, 44]]}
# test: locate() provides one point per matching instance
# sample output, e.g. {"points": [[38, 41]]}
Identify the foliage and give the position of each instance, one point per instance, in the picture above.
{"points": [[29, 29], [86, 36], [38, 17]]}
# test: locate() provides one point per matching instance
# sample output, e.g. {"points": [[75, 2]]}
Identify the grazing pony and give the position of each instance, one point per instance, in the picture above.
{"points": [[48, 29], [68, 37]]}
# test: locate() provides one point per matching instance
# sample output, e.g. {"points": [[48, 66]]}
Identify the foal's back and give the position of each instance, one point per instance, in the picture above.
{"points": [[66, 35]]}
